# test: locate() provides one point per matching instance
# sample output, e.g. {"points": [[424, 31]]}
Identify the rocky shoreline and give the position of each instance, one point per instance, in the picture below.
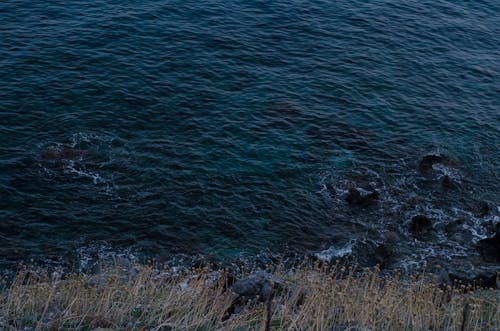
{"points": [[466, 247]]}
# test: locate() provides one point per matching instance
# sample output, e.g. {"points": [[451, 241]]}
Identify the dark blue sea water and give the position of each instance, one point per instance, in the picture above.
{"points": [[230, 128]]}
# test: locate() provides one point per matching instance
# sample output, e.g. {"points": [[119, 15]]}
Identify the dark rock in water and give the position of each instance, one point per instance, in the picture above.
{"points": [[453, 226], [55, 154], [420, 224], [457, 232], [361, 197], [491, 227], [427, 162], [481, 209], [330, 188], [382, 255], [489, 248], [448, 183], [261, 285], [370, 254]]}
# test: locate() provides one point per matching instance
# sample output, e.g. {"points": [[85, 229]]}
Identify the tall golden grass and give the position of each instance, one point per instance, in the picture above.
{"points": [[314, 298]]}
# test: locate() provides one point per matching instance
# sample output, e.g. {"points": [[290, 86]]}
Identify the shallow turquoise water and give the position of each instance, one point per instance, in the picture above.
{"points": [[229, 128]]}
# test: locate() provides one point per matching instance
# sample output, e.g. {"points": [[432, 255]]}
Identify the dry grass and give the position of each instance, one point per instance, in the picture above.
{"points": [[332, 298]]}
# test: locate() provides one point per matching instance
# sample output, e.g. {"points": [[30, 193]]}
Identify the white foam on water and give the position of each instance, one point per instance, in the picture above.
{"points": [[447, 171], [400, 199], [478, 232], [102, 253], [329, 254], [82, 172], [45, 173], [89, 137]]}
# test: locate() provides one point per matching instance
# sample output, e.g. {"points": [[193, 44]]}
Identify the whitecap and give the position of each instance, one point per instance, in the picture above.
{"points": [[329, 254]]}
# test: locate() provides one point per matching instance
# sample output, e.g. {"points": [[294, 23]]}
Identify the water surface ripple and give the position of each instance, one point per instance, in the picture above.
{"points": [[232, 127]]}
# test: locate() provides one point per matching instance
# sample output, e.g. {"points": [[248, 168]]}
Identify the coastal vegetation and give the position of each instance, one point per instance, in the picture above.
{"points": [[311, 296]]}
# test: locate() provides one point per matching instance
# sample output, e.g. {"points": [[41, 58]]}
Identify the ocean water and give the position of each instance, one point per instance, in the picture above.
{"points": [[231, 128]]}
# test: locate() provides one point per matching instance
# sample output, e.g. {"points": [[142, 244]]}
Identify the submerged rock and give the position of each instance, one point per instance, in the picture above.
{"points": [[420, 224], [428, 161], [362, 197], [55, 154], [285, 108]]}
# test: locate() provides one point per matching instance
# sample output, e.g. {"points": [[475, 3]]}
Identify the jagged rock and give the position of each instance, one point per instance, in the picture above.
{"points": [[260, 285], [420, 224], [428, 161], [361, 197]]}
